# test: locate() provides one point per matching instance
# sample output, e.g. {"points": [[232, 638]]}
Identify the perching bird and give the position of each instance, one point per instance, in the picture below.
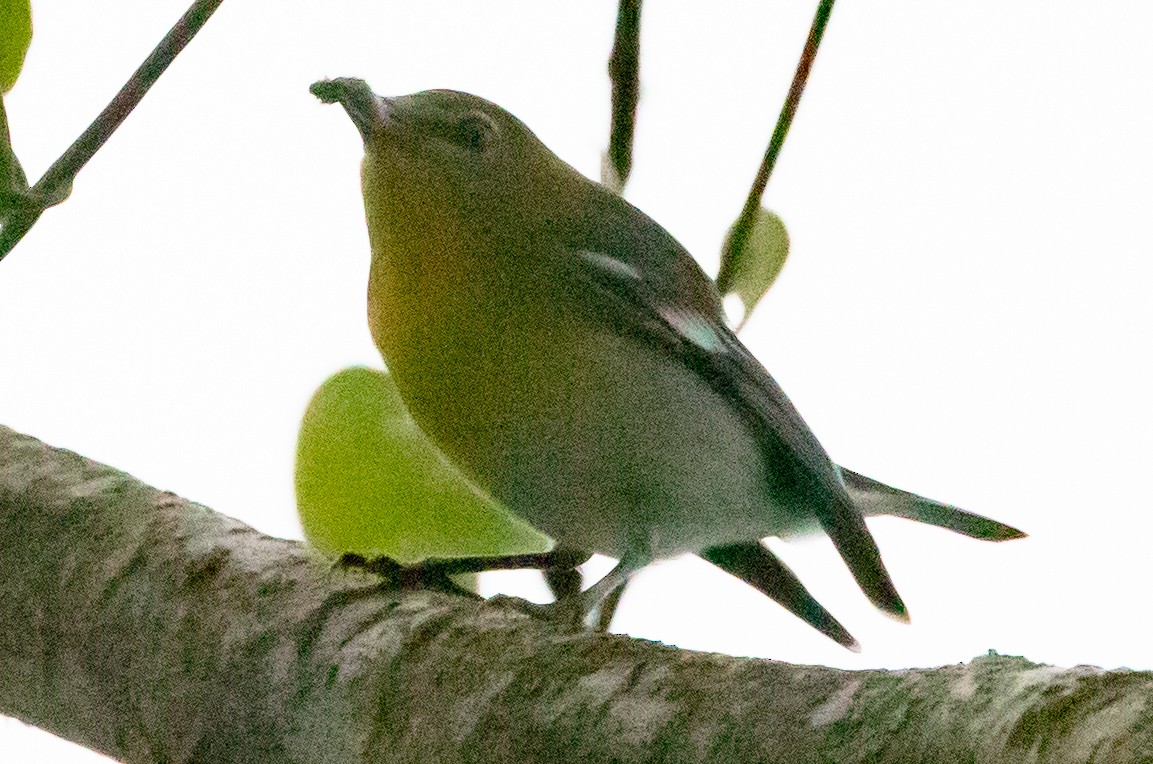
{"points": [[569, 356]]}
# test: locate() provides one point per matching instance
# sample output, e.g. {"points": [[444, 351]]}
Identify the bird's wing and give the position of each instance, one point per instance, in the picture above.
{"points": [[764, 571], [648, 286], [876, 498]]}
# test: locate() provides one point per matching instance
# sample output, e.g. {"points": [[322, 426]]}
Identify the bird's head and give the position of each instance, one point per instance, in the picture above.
{"points": [[446, 153]]}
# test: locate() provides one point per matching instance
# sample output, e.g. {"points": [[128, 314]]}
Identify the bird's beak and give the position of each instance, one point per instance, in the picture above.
{"points": [[368, 111]]}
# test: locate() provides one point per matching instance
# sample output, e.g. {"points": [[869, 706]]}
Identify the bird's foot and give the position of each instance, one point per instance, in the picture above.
{"points": [[565, 613], [428, 574], [558, 566]]}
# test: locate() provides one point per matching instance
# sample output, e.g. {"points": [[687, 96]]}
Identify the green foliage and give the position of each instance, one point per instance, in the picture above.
{"points": [[15, 36], [750, 272], [368, 481]]}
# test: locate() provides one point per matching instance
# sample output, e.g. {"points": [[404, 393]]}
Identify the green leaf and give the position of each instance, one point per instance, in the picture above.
{"points": [[15, 35], [368, 481], [749, 273]]}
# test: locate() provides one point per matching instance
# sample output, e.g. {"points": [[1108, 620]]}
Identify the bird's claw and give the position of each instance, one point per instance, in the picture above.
{"points": [[566, 612], [427, 574]]}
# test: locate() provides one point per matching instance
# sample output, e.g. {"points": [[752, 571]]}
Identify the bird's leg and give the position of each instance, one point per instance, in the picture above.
{"points": [[591, 609], [609, 608], [599, 601]]}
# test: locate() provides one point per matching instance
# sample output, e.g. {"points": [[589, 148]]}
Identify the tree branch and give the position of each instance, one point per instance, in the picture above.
{"points": [[56, 183], [153, 629]]}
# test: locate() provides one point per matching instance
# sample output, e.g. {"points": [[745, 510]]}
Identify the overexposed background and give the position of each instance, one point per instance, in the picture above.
{"points": [[965, 313]]}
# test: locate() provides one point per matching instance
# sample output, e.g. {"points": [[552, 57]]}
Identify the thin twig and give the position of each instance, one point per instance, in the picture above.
{"points": [[792, 100], [51, 188], [624, 72]]}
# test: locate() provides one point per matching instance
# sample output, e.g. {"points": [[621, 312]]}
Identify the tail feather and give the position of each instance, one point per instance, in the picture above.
{"points": [[763, 570], [873, 497], [844, 524]]}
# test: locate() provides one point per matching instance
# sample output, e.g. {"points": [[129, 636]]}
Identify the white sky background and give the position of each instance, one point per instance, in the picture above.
{"points": [[965, 312]]}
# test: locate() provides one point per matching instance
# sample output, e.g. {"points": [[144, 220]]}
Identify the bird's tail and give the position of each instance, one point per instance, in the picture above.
{"points": [[763, 570], [875, 498], [844, 524]]}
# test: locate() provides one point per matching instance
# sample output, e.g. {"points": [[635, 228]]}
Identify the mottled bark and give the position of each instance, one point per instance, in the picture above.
{"points": [[156, 630]]}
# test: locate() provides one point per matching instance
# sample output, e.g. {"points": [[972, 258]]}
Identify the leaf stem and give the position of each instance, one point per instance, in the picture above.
{"points": [[624, 73], [748, 214], [52, 188]]}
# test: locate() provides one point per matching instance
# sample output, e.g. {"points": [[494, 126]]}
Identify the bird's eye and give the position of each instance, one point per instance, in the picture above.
{"points": [[474, 132]]}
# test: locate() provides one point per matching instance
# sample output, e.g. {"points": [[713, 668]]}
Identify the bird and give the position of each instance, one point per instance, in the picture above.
{"points": [[571, 358]]}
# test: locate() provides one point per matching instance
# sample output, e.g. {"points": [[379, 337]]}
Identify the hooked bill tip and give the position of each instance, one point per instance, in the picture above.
{"points": [[338, 89], [366, 109], [326, 90]]}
